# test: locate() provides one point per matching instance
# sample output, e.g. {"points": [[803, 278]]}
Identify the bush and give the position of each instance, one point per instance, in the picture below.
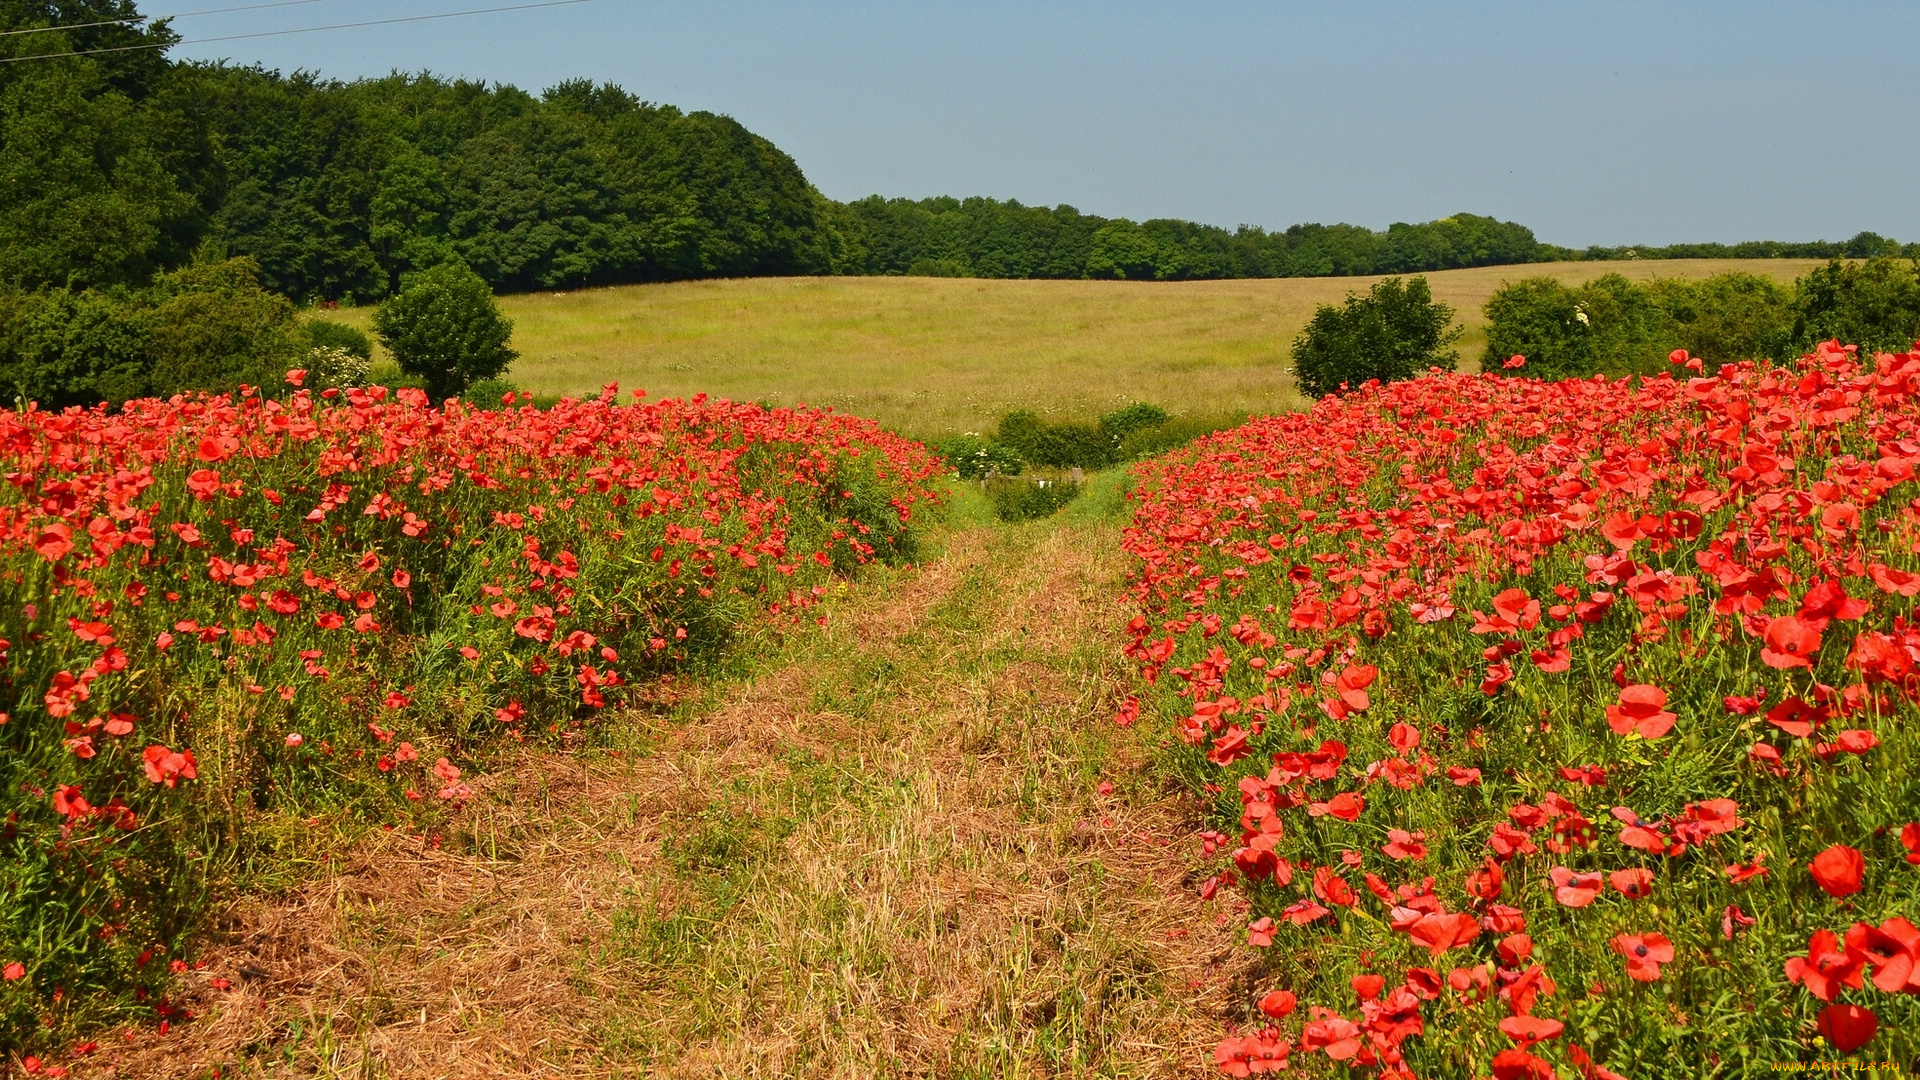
{"points": [[1394, 332], [208, 327], [1874, 304], [212, 328], [1060, 446], [1607, 326], [1153, 441], [327, 334], [1124, 421], [489, 394], [64, 347], [975, 458], [1726, 317], [446, 329], [1028, 499]]}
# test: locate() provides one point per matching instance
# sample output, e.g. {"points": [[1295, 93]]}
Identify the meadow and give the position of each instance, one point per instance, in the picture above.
{"points": [[937, 356]]}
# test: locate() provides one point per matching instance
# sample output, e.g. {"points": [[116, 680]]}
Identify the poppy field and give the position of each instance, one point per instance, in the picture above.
{"points": [[1553, 728], [227, 611]]}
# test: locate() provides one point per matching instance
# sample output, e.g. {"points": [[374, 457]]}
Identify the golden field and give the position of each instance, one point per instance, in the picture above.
{"points": [[932, 356]]}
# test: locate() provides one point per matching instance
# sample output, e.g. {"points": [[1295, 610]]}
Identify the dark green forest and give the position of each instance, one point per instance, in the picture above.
{"points": [[121, 166]]}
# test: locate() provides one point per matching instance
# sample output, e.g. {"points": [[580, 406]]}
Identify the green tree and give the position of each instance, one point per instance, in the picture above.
{"points": [[1394, 332], [446, 329], [1873, 304], [64, 347], [212, 327], [1726, 317], [1609, 325]]}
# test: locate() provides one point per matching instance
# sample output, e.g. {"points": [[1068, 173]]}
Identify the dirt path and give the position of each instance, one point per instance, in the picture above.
{"points": [[883, 854]]}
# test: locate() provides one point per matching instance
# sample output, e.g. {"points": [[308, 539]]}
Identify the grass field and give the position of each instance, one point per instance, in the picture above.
{"points": [[933, 356]]}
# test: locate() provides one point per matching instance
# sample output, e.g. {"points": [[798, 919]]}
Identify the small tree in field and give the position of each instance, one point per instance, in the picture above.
{"points": [[1393, 332], [445, 329]]}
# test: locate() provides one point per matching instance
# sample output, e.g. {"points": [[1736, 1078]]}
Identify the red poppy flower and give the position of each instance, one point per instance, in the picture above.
{"points": [[1790, 643], [1635, 883], [1590, 1069], [1260, 932], [1827, 967], [1642, 710], [1442, 932], [1575, 890], [1838, 870], [1278, 1004], [1890, 949], [1796, 717], [1848, 1027], [1527, 1030], [1644, 954], [1910, 838], [1402, 844], [1733, 920], [1514, 1063]]}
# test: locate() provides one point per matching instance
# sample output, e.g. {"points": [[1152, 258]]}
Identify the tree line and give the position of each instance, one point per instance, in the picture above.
{"points": [[121, 165]]}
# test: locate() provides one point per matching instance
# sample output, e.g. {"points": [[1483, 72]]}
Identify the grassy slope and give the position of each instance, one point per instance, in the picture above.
{"points": [[932, 356], [878, 851]]}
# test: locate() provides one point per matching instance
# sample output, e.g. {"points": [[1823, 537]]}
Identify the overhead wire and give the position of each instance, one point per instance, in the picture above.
{"points": [[296, 30], [155, 18]]}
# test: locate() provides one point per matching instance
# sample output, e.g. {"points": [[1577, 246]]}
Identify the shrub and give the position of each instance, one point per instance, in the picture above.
{"points": [[1394, 332], [1558, 709], [446, 329], [1874, 304], [229, 614], [1028, 499], [212, 328], [1060, 446], [1726, 317], [1153, 441], [975, 458], [489, 394], [63, 347], [209, 327], [1124, 421], [1607, 326], [332, 368], [325, 333]]}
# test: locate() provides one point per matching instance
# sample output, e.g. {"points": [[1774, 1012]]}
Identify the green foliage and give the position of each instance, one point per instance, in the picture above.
{"points": [[1147, 442], [975, 458], [1609, 326], [327, 334], [446, 329], [1873, 304], [1128, 419], [1061, 446], [489, 394], [990, 238], [208, 327], [61, 347], [213, 328], [1726, 317], [1394, 332], [1026, 499]]}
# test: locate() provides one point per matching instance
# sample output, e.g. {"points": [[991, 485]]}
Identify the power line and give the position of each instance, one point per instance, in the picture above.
{"points": [[297, 30], [154, 18]]}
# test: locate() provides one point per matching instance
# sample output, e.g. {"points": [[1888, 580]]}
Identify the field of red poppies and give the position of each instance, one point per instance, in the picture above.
{"points": [[223, 610], [1554, 728]]}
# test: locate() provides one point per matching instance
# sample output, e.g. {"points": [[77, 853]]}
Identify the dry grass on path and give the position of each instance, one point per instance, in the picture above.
{"points": [[883, 855], [933, 356]]}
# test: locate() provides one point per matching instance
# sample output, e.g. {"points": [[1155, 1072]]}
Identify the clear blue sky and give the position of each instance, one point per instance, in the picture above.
{"points": [[1605, 123]]}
